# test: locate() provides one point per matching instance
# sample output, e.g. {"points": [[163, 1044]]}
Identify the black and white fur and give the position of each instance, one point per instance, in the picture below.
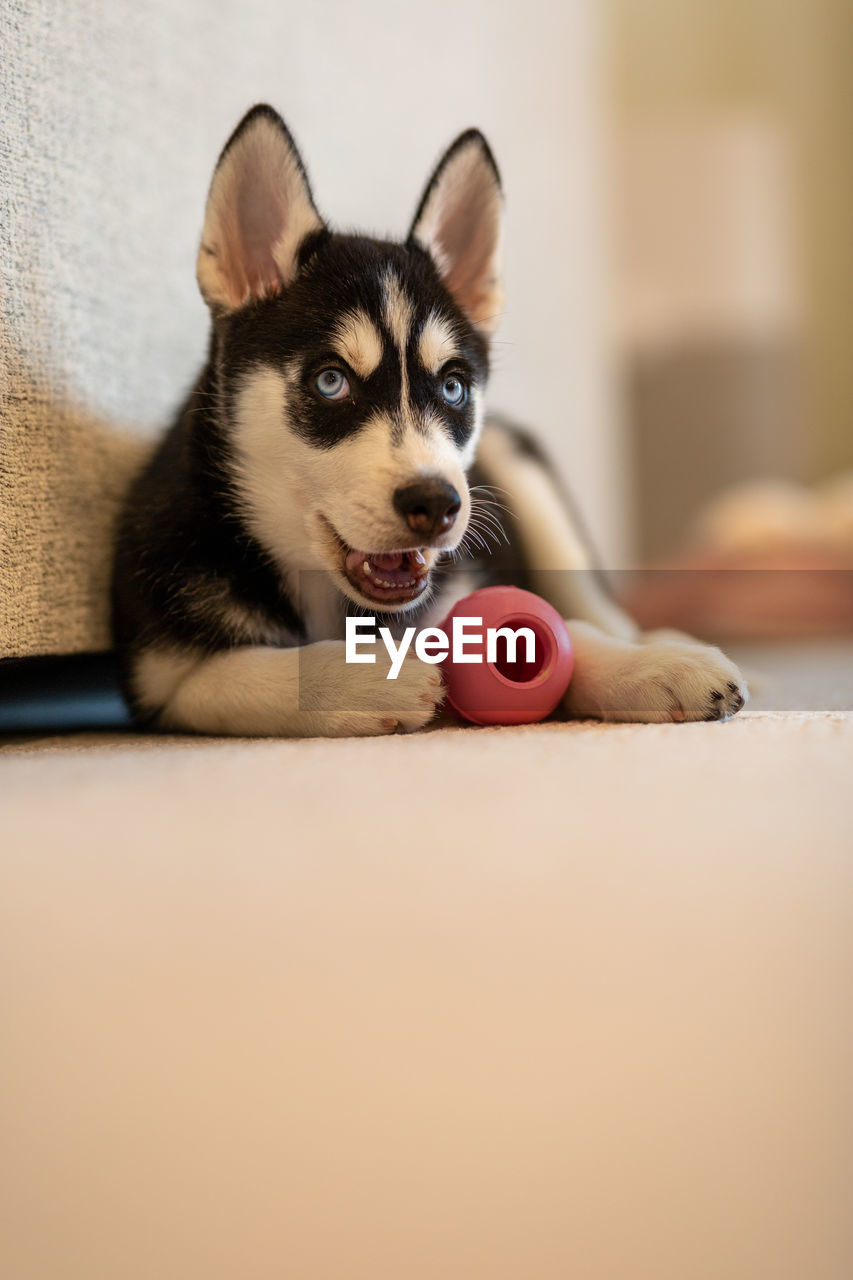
{"points": [[270, 508]]}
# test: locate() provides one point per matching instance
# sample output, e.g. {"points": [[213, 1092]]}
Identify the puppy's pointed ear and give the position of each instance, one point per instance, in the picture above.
{"points": [[459, 223], [259, 211]]}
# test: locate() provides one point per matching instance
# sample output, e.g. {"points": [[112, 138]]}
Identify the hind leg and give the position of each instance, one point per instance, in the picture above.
{"points": [[552, 544], [620, 674]]}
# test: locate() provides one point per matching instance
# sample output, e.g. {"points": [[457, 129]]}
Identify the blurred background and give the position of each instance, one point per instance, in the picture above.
{"points": [[732, 192], [714, 135]]}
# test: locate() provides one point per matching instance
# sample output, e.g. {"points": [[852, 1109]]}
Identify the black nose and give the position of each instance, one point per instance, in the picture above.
{"points": [[429, 507]]}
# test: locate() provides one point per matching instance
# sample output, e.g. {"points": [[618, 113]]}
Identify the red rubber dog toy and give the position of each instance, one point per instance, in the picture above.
{"points": [[504, 691]]}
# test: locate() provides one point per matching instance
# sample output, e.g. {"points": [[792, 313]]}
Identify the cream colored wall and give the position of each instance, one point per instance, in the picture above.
{"points": [[791, 62]]}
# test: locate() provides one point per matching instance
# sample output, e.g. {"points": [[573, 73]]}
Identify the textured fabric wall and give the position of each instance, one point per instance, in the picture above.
{"points": [[112, 117]]}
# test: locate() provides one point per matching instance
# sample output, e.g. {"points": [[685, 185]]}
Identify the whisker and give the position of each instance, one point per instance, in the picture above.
{"points": [[474, 534], [489, 488], [487, 520], [490, 502], [486, 533], [487, 527], [487, 509]]}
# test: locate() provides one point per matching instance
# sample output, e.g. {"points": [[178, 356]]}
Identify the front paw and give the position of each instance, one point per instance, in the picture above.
{"points": [[410, 701], [656, 682], [684, 680], [358, 700]]}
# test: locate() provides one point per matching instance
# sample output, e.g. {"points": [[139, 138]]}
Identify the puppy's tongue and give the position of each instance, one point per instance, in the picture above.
{"points": [[389, 568], [391, 560]]}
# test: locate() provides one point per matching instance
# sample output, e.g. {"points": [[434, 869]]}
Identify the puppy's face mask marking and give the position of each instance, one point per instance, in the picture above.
{"points": [[351, 370]]}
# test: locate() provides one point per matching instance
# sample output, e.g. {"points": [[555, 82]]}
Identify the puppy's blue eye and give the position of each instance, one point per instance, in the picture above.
{"points": [[454, 390], [332, 384]]}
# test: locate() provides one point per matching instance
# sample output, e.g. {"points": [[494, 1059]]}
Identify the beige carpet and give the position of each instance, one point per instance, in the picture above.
{"points": [[565, 1001]]}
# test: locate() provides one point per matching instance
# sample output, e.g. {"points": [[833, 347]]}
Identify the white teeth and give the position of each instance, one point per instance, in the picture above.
{"points": [[372, 576], [391, 586]]}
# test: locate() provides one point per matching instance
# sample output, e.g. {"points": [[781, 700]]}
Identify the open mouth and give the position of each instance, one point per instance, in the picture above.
{"points": [[388, 577]]}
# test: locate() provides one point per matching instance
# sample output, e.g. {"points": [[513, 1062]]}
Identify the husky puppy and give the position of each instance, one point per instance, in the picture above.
{"points": [[334, 457]]}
